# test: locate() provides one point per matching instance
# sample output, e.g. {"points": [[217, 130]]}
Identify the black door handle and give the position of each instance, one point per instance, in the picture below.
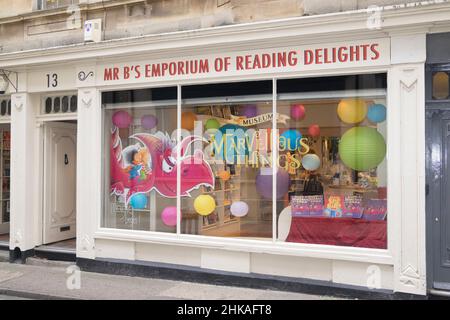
{"points": [[66, 159]]}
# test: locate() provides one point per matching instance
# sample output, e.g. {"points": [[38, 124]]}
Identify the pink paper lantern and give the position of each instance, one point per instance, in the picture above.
{"points": [[297, 112], [169, 216], [121, 119]]}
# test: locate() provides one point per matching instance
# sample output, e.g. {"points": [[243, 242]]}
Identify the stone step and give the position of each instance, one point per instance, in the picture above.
{"points": [[33, 261]]}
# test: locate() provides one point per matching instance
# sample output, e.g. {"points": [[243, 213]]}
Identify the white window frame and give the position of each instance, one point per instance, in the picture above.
{"points": [[368, 255], [41, 5]]}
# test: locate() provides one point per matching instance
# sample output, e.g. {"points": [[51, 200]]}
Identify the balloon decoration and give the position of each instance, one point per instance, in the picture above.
{"points": [[239, 209], [212, 124], [121, 119], [149, 121], [138, 201], [188, 119], [311, 162], [362, 148], [249, 110], [230, 143], [264, 183], [376, 113], [290, 139], [204, 204], [352, 110], [169, 216], [314, 130], [298, 112], [224, 175]]}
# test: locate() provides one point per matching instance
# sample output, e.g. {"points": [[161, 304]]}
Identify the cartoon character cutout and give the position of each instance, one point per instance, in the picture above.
{"points": [[151, 164]]}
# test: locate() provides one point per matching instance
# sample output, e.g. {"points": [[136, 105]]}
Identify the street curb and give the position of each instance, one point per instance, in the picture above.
{"points": [[33, 295]]}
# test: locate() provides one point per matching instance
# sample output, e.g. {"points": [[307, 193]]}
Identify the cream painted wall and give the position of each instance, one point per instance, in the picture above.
{"points": [[13, 8]]}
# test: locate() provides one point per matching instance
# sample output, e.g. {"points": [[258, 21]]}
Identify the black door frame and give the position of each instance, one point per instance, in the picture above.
{"points": [[431, 107]]}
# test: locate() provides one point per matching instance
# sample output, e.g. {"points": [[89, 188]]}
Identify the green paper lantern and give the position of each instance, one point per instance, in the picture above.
{"points": [[212, 124], [362, 148]]}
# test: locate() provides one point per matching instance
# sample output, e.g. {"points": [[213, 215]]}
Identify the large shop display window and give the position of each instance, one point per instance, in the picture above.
{"points": [[140, 153], [322, 182]]}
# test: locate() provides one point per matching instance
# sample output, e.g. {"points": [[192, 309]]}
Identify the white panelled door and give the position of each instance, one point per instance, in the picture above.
{"points": [[59, 181]]}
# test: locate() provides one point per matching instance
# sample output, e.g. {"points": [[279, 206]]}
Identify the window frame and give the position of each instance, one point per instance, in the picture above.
{"points": [[370, 255], [41, 5]]}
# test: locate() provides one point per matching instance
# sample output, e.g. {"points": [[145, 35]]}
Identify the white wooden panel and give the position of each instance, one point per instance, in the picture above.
{"points": [[114, 249], [226, 260], [288, 266], [367, 275], [168, 254]]}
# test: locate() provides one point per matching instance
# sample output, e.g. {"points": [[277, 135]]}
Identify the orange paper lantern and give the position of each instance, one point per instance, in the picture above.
{"points": [[188, 119]]}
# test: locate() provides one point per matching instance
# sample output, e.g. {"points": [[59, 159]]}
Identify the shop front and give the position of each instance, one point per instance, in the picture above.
{"points": [[286, 156]]}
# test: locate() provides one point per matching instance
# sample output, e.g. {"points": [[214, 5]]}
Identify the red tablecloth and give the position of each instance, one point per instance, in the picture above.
{"points": [[339, 231]]}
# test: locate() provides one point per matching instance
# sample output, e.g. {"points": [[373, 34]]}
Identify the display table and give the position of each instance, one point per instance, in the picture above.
{"points": [[339, 231]]}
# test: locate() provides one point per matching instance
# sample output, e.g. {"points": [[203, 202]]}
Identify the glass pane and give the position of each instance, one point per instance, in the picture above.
{"points": [[5, 158], [140, 159], [441, 86], [334, 149], [73, 103], [65, 104], [227, 191], [48, 105], [57, 104], [3, 108]]}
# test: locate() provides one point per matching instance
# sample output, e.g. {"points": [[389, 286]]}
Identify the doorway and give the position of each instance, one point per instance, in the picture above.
{"points": [[59, 182], [438, 176]]}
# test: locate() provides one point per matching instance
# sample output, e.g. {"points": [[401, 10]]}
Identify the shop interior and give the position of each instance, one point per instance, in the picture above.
{"points": [[330, 160], [5, 162]]}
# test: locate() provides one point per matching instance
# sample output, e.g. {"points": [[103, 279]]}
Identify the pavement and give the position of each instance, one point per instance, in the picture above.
{"points": [[42, 279]]}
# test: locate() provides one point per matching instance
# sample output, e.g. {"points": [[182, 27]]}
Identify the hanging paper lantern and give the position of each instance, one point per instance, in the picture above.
{"points": [[249, 110], [224, 175], [121, 119], [188, 119], [264, 183], [239, 209], [149, 121], [204, 205], [212, 124], [362, 148], [169, 216], [376, 113], [352, 110], [298, 112], [138, 201], [314, 130], [311, 162], [290, 140]]}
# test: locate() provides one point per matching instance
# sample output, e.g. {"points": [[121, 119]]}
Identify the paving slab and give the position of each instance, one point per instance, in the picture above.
{"points": [[50, 281]]}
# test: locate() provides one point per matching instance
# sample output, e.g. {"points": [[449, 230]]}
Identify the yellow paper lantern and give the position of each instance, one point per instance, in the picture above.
{"points": [[204, 205], [352, 110]]}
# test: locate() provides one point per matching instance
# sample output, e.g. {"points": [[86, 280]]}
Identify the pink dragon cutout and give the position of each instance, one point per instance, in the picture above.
{"points": [[152, 164]]}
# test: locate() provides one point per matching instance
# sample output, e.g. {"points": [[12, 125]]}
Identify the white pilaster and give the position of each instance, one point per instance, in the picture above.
{"points": [[89, 165], [25, 209], [406, 100]]}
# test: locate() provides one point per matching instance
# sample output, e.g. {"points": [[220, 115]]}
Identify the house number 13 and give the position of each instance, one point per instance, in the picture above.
{"points": [[52, 80]]}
